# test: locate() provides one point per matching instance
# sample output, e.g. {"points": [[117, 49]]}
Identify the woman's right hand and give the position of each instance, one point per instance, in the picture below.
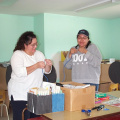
{"points": [[72, 51], [32, 68], [41, 64]]}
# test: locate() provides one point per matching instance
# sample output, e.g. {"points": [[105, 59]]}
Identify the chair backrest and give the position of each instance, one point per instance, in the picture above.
{"points": [[2, 96], [8, 73], [114, 72], [51, 77]]}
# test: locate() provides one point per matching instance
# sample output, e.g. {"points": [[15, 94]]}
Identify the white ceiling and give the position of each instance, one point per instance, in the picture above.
{"points": [[106, 9]]}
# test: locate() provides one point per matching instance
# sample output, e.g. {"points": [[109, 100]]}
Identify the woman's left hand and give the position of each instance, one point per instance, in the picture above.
{"points": [[48, 62], [48, 65]]}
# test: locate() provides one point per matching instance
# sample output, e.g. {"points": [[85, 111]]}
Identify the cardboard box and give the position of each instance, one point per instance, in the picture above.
{"points": [[3, 84], [104, 73], [78, 99], [104, 86]]}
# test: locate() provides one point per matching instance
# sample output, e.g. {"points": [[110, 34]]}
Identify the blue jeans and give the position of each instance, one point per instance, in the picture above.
{"points": [[96, 85]]}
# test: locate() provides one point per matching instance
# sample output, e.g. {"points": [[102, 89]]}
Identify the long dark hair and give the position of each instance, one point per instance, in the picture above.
{"points": [[89, 42], [25, 38]]}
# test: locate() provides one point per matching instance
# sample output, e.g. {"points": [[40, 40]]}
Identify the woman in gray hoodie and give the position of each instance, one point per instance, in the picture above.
{"points": [[84, 60]]}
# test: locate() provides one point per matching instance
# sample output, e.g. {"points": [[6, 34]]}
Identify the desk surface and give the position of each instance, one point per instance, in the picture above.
{"points": [[78, 115]]}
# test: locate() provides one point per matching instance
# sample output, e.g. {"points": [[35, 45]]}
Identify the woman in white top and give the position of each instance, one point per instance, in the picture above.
{"points": [[28, 66]]}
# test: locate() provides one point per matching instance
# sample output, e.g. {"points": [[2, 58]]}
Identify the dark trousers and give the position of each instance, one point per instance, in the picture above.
{"points": [[17, 107]]}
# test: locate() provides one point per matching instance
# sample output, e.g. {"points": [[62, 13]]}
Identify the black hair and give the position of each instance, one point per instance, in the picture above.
{"points": [[25, 38], [89, 42]]}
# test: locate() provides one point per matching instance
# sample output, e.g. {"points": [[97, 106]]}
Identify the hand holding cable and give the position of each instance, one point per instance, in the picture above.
{"points": [[45, 65], [32, 68], [72, 51], [41, 64], [48, 64]]}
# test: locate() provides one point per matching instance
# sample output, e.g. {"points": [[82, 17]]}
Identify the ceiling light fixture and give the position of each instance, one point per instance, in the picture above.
{"points": [[115, 1], [92, 5]]}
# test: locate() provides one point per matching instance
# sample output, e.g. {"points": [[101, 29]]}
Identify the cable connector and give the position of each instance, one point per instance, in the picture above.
{"points": [[98, 107], [87, 112]]}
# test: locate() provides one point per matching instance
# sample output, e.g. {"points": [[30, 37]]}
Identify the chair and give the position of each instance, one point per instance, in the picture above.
{"points": [[24, 112], [114, 74], [51, 77], [113, 87], [8, 73], [2, 102]]}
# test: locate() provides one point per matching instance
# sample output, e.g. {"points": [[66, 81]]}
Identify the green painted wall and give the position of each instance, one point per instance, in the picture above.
{"points": [[11, 27], [115, 38], [57, 33], [39, 31], [61, 30]]}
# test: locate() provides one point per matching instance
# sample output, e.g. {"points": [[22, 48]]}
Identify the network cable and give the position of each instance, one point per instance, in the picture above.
{"points": [[44, 75]]}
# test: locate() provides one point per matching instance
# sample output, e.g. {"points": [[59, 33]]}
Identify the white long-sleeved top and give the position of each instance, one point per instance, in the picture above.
{"points": [[20, 82]]}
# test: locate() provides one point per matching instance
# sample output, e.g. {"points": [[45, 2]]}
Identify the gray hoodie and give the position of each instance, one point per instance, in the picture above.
{"points": [[85, 67]]}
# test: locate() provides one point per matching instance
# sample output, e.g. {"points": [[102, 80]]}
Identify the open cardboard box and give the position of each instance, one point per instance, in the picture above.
{"points": [[78, 99]]}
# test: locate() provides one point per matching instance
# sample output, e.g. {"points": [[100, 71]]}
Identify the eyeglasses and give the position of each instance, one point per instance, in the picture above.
{"points": [[84, 38], [35, 44]]}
